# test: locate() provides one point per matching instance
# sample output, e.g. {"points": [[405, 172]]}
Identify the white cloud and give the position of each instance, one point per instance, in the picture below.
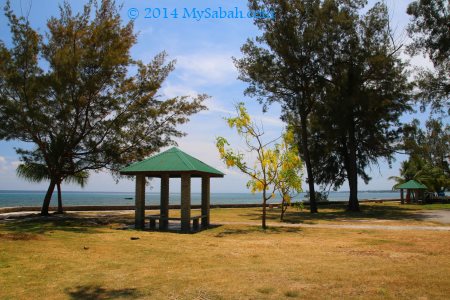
{"points": [[15, 163], [3, 165], [268, 120], [171, 91], [215, 105], [206, 68], [7, 166]]}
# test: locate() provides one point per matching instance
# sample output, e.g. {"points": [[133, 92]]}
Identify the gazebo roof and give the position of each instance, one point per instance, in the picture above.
{"points": [[173, 162], [412, 185]]}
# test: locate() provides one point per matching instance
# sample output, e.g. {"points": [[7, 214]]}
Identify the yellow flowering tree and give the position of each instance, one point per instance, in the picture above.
{"points": [[288, 181], [274, 166]]}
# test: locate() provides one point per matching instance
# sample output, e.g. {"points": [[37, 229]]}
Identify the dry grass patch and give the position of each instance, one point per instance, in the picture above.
{"points": [[388, 213], [20, 236], [74, 261]]}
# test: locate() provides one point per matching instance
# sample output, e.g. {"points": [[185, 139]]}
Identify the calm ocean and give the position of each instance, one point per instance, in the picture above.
{"points": [[34, 198]]}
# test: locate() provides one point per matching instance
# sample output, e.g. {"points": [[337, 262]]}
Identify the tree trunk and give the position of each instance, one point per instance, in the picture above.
{"points": [[264, 211], [352, 171], [48, 197], [307, 160], [60, 208], [353, 203], [283, 209]]}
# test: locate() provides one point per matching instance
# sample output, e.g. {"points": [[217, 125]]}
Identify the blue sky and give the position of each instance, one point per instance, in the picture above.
{"points": [[203, 51]]}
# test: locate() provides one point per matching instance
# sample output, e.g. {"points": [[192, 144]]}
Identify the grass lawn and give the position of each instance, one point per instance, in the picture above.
{"points": [[387, 213], [76, 258]]}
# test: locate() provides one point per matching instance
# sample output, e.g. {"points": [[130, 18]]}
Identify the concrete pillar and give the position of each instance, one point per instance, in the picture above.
{"points": [[139, 214], [186, 202], [164, 208], [205, 200]]}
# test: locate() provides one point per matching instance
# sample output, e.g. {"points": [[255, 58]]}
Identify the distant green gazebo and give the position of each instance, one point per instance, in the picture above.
{"points": [[411, 185], [172, 163]]}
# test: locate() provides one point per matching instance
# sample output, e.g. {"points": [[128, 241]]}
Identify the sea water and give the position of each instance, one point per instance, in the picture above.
{"points": [[34, 198]]}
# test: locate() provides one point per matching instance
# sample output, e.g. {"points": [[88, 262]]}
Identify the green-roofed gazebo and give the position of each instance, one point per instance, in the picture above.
{"points": [[410, 185], [172, 163]]}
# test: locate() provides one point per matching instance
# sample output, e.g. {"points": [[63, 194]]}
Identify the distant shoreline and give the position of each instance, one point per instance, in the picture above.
{"points": [[150, 192], [30, 199], [155, 207]]}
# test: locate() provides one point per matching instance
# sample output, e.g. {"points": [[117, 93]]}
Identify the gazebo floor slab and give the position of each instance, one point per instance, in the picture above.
{"points": [[174, 226]]}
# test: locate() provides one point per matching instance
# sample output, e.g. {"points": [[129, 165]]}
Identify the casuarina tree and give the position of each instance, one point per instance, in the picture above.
{"points": [[367, 92], [430, 31], [282, 66], [79, 97]]}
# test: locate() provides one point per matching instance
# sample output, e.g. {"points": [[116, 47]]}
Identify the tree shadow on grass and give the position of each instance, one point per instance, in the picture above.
{"points": [[36, 224], [253, 229], [95, 292], [339, 213]]}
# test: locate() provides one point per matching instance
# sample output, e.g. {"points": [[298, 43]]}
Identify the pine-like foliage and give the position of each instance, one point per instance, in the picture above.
{"points": [[80, 98]]}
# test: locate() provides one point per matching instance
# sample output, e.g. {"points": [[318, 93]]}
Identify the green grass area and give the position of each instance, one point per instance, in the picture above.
{"points": [[90, 256]]}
